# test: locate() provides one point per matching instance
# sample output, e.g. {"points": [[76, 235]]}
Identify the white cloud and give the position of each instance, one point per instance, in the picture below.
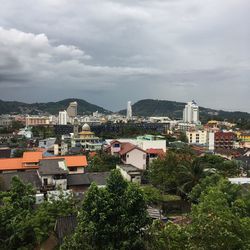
{"points": [[36, 59]]}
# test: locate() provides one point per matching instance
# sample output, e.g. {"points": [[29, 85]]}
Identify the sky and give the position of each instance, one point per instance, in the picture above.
{"points": [[111, 51]]}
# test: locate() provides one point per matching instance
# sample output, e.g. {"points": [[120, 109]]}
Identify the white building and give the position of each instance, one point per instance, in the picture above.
{"points": [[197, 137], [129, 154], [191, 113], [129, 111], [25, 132], [143, 144], [63, 117]]}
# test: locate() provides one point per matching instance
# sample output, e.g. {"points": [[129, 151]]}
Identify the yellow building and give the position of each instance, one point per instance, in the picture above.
{"points": [[244, 137]]}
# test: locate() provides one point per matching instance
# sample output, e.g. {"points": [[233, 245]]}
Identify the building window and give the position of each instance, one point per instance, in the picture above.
{"points": [[45, 181], [127, 156], [74, 169], [116, 145]]}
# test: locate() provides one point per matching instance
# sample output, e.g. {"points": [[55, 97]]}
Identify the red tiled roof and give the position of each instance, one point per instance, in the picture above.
{"points": [[92, 154], [127, 147], [156, 151], [114, 141]]}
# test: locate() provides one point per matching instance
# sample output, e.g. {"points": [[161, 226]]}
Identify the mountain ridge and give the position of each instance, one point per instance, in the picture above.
{"points": [[174, 110], [145, 107], [10, 107]]}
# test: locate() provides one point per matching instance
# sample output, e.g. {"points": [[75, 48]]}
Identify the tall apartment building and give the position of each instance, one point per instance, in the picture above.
{"points": [[72, 110], [129, 110], [191, 113], [63, 117]]}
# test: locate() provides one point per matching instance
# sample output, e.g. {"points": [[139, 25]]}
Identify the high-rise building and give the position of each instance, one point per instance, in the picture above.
{"points": [[191, 113], [129, 110], [63, 118], [72, 110]]}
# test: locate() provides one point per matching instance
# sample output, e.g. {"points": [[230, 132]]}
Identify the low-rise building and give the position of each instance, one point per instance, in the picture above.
{"points": [[53, 174], [130, 172], [224, 140], [199, 137], [30, 160], [37, 121], [129, 154]]}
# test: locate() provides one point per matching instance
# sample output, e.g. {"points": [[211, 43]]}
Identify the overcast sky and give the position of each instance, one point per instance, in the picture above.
{"points": [[111, 51]]}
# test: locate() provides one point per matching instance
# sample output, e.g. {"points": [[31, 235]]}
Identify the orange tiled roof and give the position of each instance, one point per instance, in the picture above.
{"points": [[10, 163], [71, 161], [29, 157], [32, 156]]}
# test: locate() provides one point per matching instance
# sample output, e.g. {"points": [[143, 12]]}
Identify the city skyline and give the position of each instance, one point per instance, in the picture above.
{"points": [[110, 52]]}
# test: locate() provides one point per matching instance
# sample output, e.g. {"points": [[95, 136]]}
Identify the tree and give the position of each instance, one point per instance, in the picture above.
{"points": [[166, 237], [169, 173], [114, 217], [23, 226], [15, 214], [103, 162], [189, 175], [215, 226]]}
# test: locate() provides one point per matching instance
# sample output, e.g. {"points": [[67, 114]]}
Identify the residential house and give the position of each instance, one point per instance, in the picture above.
{"points": [[130, 172], [53, 174], [129, 154]]}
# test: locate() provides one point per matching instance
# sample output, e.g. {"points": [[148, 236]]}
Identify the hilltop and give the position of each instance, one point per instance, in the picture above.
{"points": [[174, 110], [10, 107]]}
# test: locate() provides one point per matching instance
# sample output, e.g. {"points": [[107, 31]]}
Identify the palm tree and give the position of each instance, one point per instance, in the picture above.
{"points": [[190, 175]]}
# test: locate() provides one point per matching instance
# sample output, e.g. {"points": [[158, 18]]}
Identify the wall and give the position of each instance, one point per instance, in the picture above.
{"points": [[79, 170], [136, 158]]}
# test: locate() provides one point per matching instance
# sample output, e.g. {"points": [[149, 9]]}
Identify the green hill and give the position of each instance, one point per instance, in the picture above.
{"points": [[11, 107], [174, 110]]}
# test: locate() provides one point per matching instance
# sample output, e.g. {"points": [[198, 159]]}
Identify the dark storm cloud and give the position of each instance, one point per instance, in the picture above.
{"points": [[111, 51]]}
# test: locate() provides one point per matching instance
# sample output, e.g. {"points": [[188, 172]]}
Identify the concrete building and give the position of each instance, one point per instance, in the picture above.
{"points": [[129, 111], [63, 117], [130, 173], [60, 147], [144, 142], [224, 140], [25, 132], [6, 120], [37, 121], [72, 110], [199, 137], [53, 174], [47, 143], [191, 113]]}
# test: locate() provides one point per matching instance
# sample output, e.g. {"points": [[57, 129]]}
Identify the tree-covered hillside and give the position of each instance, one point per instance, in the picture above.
{"points": [[174, 110], [8, 107]]}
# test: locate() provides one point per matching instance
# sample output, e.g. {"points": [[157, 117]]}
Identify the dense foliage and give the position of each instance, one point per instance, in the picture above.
{"points": [[180, 171], [114, 217], [22, 225], [102, 162]]}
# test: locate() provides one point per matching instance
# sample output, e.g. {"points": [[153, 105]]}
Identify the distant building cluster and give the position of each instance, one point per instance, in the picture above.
{"points": [[60, 160]]}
